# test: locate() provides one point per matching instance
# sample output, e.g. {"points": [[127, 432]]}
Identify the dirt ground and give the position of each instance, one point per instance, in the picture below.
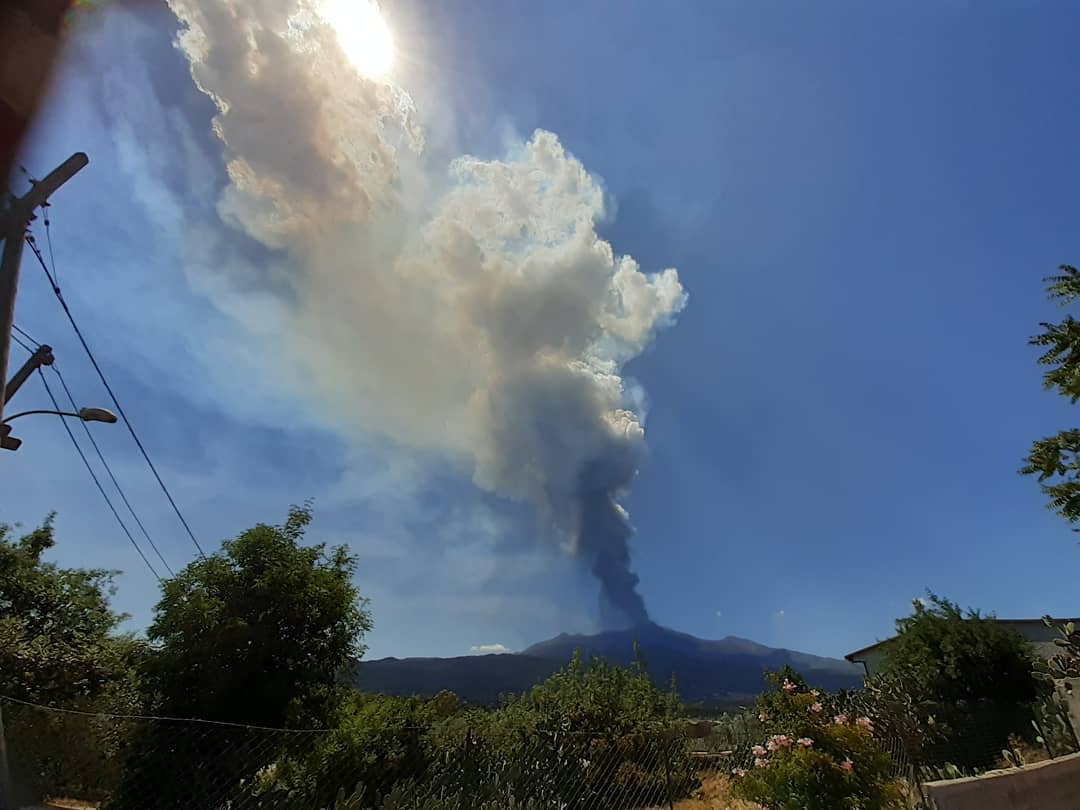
{"points": [[715, 794]]}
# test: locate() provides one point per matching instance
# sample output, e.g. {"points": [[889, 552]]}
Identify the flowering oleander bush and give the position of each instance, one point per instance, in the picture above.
{"points": [[815, 756]]}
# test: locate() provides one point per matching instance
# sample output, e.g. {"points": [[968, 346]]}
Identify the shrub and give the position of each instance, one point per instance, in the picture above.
{"points": [[816, 757]]}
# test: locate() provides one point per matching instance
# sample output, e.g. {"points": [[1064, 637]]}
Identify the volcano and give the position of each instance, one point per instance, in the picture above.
{"points": [[720, 672]]}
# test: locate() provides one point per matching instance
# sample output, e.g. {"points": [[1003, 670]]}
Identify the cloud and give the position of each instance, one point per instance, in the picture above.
{"points": [[489, 649], [468, 311]]}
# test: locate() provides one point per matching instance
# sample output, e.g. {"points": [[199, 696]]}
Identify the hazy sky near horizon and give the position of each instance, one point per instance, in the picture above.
{"points": [[860, 201]]}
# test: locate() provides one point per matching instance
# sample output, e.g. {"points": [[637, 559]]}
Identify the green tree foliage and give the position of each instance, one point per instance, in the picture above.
{"points": [[377, 742], [815, 757], [593, 734], [57, 630], [59, 647], [256, 634], [259, 632], [974, 676], [1056, 459], [949, 656], [596, 696]]}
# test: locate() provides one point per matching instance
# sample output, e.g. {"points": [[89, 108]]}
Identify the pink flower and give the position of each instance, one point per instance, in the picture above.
{"points": [[760, 762], [815, 692], [805, 742], [789, 687], [865, 722], [778, 741], [816, 708], [848, 765], [758, 750], [738, 771], [840, 719]]}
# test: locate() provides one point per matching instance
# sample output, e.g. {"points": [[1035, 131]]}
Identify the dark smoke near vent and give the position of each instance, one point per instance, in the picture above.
{"points": [[605, 542], [469, 310]]}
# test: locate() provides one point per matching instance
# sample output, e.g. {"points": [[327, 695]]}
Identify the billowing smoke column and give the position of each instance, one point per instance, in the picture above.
{"points": [[475, 313]]}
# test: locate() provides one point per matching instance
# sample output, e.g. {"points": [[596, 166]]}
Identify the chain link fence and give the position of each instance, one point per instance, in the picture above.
{"points": [[119, 762]]}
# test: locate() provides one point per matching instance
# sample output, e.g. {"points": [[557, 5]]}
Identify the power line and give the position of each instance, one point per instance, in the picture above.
{"points": [[22, 332], [21, 343], [81, 713], [105, 464], [48, 236], [119, 408], [93, 475], [97, 450]]}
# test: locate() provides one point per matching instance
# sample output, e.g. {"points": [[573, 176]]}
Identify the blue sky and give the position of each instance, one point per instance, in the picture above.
{"points": [[861, 202]]}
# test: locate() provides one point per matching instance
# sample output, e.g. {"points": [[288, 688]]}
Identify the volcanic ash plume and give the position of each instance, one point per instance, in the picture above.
{"points": [[475, 312]]}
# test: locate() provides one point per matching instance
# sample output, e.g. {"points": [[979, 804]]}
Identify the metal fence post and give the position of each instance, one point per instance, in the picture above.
{"points": [[7, 798], [667, 776]]}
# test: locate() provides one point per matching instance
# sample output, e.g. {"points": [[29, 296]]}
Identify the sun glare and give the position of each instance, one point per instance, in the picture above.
{"points": [[363, 34]]}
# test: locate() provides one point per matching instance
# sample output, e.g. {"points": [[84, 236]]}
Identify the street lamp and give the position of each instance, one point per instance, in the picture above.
{"points": [[86, 414]]}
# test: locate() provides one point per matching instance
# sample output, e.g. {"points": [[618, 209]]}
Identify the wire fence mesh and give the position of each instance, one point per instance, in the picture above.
{"points": [[120, 762]]}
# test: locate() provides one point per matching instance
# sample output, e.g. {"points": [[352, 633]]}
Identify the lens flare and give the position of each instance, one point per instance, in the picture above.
{"points": [[363, 34]]}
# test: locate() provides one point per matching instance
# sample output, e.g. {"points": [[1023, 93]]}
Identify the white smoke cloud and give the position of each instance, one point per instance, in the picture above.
{"points": [[489, 649], [474, 313]]}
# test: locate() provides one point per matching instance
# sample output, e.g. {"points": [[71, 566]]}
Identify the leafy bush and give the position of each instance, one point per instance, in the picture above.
{"points": [[971, 674], [897, 715], [815, 759], [957, 658], [377, 741], [592, 734]]}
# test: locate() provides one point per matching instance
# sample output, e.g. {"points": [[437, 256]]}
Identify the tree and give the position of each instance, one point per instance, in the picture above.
{"points": [[257, 634], [974, 675], [950, 656], [1056, 459], [59, 648], [57, 630], [597, 697]]}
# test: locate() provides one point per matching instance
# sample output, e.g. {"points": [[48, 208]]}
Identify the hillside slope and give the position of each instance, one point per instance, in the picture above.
{"points": [[706, 671]]}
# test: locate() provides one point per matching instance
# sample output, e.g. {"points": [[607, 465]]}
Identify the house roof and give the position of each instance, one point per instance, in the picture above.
{"points": [[854, 658]]}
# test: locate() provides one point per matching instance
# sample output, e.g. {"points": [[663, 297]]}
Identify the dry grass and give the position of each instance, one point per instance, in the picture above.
{"points": [[70, 804], [715, 794]]}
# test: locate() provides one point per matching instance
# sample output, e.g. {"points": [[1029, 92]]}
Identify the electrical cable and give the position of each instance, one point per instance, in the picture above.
{"points": [[97, 449], [27, 337], [21, 343], [93, 475], [108, 469], [119, 408]]}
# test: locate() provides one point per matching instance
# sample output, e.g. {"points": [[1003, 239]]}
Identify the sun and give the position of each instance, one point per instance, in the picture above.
{"points": [[363, 34]]}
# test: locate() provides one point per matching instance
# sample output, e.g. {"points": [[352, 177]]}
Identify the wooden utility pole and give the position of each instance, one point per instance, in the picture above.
{"points": [[30, 45], [15, 220]]}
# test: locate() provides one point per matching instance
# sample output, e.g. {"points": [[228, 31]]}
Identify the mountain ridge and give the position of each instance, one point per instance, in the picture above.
{"points": [[707, 671]]}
